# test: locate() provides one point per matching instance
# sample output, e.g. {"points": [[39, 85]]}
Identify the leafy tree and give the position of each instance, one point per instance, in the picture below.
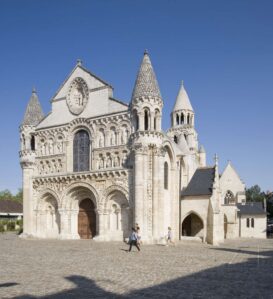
{"points": [[254, 193], [19, 195], [6, 194]]}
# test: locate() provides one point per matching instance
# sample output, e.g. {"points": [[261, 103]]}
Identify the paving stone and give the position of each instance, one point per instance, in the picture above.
{"points": [[88, 269]]}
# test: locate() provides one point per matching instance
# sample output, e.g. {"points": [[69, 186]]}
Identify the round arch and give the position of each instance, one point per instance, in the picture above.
{"points": [[118, 212], [47, 215]]}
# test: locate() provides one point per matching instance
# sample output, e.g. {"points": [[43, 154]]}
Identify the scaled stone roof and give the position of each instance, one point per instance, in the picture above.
{"points": [[182, 100], [146, 83], [250, 208], [34, 113], [201, 182], [10, 206]]}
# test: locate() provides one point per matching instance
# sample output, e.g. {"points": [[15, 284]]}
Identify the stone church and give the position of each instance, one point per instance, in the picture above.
{"points": [[94, 166]]}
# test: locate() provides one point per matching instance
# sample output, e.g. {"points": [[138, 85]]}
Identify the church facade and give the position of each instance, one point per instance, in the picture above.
{"points": [[95, 166]]}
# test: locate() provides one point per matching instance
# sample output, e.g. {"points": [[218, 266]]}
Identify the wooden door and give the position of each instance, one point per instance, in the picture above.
{"points": [[87, 219]]}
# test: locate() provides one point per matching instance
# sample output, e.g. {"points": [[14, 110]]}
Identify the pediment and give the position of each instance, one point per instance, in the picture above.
{"points": [[92, 81]]}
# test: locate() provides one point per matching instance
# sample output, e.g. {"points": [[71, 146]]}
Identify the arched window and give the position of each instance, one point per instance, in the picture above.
{"points": [[182, 118], [229, 198], [252, 222], [247, 222], [32, 143], [177, 119], [146, 120], [175, 138], [166, 175], [81, 151], [185, 136], [137, 122]]}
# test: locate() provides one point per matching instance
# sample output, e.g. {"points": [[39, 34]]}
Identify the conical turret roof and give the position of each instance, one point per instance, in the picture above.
{"points": [[182, 100], [146, 83], [34, 113]]}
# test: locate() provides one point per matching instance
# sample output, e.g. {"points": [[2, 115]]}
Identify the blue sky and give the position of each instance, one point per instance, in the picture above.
{"points": [[223, 50]]}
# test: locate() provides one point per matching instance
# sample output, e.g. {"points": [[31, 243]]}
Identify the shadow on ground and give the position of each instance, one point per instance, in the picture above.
{"points": [[251, 279]]}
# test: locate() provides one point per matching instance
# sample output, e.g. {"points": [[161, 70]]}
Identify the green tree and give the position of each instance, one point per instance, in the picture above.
{"points": [[19, 196], [254, 193], [6, 194]]}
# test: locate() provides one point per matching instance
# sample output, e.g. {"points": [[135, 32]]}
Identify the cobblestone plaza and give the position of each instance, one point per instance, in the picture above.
{"points": [[89, 269]]}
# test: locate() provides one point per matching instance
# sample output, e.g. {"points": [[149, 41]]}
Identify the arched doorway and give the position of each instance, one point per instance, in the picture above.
{"points": [[192, 226], [87, 219]]}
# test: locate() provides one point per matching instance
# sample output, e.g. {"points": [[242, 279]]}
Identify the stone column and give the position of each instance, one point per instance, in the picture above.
{"points": [[141, 121], [28, 209], [160, 168], [64, 231], [139, 191], [156, 182]]}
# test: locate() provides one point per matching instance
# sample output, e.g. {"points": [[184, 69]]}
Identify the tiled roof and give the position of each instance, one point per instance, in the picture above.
{"points": [[201, 182], [146, 83], [10, 206], [34, 113], [251, 208]]}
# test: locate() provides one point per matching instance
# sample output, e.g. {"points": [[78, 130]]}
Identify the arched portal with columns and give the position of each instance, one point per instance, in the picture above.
{"points": [[79, 213], [47, 216]]}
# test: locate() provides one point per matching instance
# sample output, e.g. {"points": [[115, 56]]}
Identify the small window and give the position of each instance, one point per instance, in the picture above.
{"points": [[166, 175], [177, 119], [146, 120], [175, 138], [247, 222], [188, 119], [182, 118], [252, 222], [32, 143]]}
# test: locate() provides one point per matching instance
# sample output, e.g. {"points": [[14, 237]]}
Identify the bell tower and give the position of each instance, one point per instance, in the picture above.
{"points": [[146, 112], [33, 116]]}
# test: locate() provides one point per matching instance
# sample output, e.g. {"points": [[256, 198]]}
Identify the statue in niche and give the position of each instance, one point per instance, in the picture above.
{"points": [[60, 146], [43, 148], [108, 162], [124, 135], [50, 146], [101, 140], [41, 168], [55, 166], [77, 97], [60, 165], [124, 158], [113, 137], [116, 161]]}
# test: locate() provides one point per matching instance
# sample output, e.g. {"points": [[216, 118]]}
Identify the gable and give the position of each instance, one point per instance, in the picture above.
{"points": [[230, 180], [95, 99]]}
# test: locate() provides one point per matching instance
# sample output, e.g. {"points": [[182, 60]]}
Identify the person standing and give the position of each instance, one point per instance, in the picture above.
{"points": [[170, 237], [133, 240], [138, 235]]}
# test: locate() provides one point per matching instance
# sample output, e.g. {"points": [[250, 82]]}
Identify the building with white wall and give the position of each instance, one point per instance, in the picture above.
{"points": [[94, 166]]}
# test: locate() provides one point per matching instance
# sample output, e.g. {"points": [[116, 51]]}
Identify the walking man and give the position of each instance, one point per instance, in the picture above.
{"points": [[133, 240]]}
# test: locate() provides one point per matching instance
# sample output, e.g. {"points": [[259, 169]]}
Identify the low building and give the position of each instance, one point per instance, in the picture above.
{"points": [[10, 209]]}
